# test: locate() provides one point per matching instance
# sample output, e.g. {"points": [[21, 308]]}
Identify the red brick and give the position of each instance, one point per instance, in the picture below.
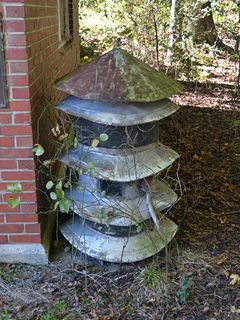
{"points": [[18, 175], [24, 141], [22, 118], [26, 164], [4, 208], [1, 218], [3, 239], [29, 208], [8, 164], [32, 228], [15, 12], [20, 105], [5, 118], [28, 197], [16, 39], [24, 238], [20, 93], [18, 80], [16, 54], [6, 141], [14, 25], [11, 228], [18, 66], [16, 153], [22, 217], [15, 130]]}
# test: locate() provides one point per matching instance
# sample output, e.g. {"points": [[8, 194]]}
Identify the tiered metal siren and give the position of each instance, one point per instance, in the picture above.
{"points": [[118, 101]]}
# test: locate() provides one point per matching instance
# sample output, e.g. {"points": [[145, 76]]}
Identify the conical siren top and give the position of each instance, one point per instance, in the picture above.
{"points": [[117, 76]]}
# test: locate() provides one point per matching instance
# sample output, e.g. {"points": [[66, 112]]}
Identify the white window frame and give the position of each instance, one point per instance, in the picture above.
{"points": [[64, 34]]}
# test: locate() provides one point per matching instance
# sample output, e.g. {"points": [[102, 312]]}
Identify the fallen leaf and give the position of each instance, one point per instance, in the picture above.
{"points": [[235, 279], [222, 259], [234, 310]]}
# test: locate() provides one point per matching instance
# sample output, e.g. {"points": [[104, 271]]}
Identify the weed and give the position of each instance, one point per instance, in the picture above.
{"points": [[183, 292], [150, 277]]}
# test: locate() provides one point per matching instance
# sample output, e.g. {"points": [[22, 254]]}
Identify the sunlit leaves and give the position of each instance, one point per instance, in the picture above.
{"points": [[103, 137], [49, 185], [38, 150], [14, 187], [13, 202]]}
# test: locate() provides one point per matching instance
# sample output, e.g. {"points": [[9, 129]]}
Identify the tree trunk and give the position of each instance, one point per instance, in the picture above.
{"points": [[205, 30], [171, 33]]}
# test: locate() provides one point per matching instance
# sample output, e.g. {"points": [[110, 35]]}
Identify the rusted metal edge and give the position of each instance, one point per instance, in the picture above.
{"points": [[118, 114], [121, 165], [118, 249], [117, 210]]}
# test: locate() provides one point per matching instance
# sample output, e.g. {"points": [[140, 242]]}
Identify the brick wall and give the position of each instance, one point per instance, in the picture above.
{"points": [[33, 62]]}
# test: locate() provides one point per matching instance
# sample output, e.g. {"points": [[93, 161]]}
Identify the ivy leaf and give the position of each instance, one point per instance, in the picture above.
{"points": [[59, 185], [13, 202], [103, 137], [14, 187], [38, 150], [49, 185], [60, 193], [94, 143], [53, 195], [64, 205]]}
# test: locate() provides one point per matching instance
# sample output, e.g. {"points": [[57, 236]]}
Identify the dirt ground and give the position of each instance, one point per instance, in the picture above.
{"points": [[198, 276]]}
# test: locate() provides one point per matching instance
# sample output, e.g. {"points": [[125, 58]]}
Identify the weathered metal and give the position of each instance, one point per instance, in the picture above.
{"points": [[116, 202], [120, 77], [121, 164], [127, 137], [118, 113], [128, 207], [118, 249]]}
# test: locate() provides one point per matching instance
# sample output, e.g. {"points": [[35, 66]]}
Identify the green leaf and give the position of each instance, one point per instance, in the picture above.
{"points": [[91, 166], [56, 205], [38, 150], [64, 205], [75, 142], [49, 185], [53, 195], [94, 143], [237, 122], [67, 184], [103, 137], [60, 193], [13, 202], [14, 187], [59, 185]]}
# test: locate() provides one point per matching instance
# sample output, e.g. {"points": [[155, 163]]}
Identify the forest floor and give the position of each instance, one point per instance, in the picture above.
{"points": [[198, 276]]}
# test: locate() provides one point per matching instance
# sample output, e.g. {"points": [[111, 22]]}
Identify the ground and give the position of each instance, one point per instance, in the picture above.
{"points": [[198, 276]]}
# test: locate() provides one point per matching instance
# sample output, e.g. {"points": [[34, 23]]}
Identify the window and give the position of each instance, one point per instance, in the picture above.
{"points": [[65, 21], [3, 93]]}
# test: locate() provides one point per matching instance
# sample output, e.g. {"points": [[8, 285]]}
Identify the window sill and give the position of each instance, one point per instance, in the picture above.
{"points": [[64, 44]]}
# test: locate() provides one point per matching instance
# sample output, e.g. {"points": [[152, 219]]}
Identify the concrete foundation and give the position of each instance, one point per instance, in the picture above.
{"points": [[23, 253]]}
